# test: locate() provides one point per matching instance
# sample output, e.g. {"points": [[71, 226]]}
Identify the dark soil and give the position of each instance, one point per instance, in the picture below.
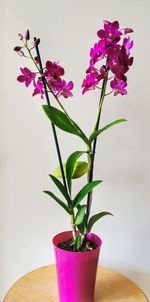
{"points": [[69, 246]]}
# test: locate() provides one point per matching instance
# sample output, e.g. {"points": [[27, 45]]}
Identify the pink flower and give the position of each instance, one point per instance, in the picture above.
{"points": [[97, 52], [114, 63], [27, 76], [90, 82], [38, 88], [127, 45], [110, 32], [53, 74], [128, 30], [119, 61], [53, 70], [117, 54], [64, 89], [118, 86]]}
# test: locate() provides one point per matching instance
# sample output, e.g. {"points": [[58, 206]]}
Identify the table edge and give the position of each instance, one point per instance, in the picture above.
{"points": [[54, 265]]}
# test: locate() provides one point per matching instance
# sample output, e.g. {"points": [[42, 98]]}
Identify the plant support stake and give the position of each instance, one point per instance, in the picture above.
{"points": [[53, 126]]}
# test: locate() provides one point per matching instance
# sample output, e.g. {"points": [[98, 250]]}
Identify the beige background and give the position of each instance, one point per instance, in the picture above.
{"points": [[27, 155]]}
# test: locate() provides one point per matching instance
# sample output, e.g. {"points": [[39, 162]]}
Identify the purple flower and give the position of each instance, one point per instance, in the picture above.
{"points": [[97, 52], [119, 61], [110, 32], [53, 70], [127, 45], [53, 74], [113, 61], [27, 76], [128, 30], [118, 86], [90, 82], [64, 89], [38, 88], [117, 54]]}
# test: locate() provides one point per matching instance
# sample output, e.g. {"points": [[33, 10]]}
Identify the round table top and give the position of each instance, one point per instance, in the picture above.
{"points": [[40, 285]]}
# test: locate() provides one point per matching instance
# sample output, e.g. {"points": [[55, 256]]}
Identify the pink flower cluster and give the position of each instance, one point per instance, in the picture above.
{"points": [[28, 77], [53, 73], [117, 54]]}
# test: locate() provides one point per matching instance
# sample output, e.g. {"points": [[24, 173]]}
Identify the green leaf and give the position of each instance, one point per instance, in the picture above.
{"points": [[80, 168], [84, 191], [82, 226], [96, 217], [96, 133], [77, 243], [61, 120], [60, 202], [80, 215], [61, 188], [70, 166]]}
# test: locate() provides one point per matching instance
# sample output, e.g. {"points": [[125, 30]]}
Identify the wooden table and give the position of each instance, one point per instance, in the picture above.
{"points": [[41, 286]]}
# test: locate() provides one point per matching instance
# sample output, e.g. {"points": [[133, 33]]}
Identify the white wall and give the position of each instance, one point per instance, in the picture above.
{"points": [[29, 219]]}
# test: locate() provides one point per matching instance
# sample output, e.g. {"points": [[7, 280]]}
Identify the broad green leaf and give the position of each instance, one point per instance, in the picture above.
{"points": [[61, 120], [84, 191], [96, 217], [80, 168], [70, 166], [80, 215], [61, 188], [60, 202], [77, 242], [96, 133]]}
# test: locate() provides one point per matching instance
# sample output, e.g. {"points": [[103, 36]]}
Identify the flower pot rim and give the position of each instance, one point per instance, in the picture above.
{"points": [[79, 252]]}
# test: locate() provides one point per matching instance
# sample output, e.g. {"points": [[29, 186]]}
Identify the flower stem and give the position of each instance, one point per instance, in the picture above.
{"points": [[91, 153], [73, 224]]}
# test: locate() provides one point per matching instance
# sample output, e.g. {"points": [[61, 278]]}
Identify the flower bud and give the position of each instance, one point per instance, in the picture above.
{"points": [[27, 35], [19, 51], [128, 30], [20, 36], [36, 42], [36, 59], [17, 48]]}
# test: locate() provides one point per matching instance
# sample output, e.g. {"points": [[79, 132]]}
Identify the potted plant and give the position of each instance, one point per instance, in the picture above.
{"points": [[77, 251]]}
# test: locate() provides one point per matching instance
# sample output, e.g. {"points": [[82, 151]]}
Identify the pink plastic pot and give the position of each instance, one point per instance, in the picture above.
{"points": [[76, 271]]}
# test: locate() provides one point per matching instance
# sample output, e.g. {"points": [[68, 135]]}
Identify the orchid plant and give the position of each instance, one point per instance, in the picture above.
{"points": [[108, 66]]}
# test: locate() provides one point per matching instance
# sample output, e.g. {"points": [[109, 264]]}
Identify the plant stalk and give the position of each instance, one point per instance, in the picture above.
{"points": [[91, 153], [73, 225]]}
